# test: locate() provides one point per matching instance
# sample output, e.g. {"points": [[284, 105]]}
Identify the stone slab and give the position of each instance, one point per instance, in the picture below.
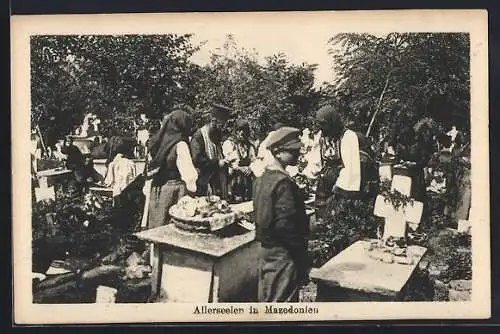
{"points": [[354, 269], [206, 243], [52, 172]]}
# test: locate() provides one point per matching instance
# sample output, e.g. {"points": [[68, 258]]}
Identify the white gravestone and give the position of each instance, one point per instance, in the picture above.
{"points": [[385, 172], [396, 219], [45, 193]]}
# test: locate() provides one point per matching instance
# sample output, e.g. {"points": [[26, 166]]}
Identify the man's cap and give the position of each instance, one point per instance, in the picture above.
{"points": [[221, 112], [285, 138]]}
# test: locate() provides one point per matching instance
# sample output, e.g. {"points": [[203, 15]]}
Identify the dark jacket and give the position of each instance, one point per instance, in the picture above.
{"points": [[280, 214]]}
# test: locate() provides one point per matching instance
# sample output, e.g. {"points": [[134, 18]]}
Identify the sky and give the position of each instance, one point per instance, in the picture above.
{"points": [[299, 47]]}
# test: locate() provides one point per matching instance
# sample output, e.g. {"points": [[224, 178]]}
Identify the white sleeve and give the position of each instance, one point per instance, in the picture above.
{"points": [[110, 177], [185, 166], [350, 176], [230, 152]]}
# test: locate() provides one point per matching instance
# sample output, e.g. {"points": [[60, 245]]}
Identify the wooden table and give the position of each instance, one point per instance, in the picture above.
{"points": [[354, 276], [202, 267]]}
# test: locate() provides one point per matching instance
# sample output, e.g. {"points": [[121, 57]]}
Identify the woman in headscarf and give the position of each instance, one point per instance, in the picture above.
{"points": [[414, 149], [171, 167], [206, 148], [351, 191], [75, 163], [240, 152]]}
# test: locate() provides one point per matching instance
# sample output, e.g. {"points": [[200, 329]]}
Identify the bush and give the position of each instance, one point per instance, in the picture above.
{"points": [[64, 228], [352, 220]]}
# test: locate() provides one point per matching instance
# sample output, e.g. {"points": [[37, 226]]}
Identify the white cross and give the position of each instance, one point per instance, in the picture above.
{"points": [[396, 219]]}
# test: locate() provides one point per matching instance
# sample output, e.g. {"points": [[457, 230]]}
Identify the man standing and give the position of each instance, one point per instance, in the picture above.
{"points": [[206, 150], [282, 225]]}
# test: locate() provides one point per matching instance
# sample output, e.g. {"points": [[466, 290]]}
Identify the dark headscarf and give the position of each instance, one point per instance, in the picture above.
{"points": [[332, 120], [176, 128], [278, 126], [245, 126]]}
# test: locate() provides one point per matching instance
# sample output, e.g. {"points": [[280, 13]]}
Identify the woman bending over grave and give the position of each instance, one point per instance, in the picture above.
{"points": [[414, 149]]}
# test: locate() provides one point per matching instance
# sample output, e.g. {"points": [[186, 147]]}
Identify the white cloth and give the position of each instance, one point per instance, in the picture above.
{"points": [[121, 172], [142, 136], [313, 158], [185, 166], [210, 147], [230, 152], [264, 158], [350, 175]]}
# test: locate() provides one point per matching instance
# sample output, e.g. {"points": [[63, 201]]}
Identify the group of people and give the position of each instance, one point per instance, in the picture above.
{"points": [[208, 161], [201, 162]]}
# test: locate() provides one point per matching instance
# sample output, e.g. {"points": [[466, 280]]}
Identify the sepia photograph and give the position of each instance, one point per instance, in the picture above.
{"points": [[250, 166]]}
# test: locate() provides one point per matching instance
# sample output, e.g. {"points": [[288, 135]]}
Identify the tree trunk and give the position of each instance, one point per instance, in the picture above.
{"points": [[377, 109]]}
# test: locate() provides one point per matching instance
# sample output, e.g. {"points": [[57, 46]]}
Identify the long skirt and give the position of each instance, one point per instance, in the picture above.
{"points": [[240, 186], [161, 199], [279, 276], [324, 191]]}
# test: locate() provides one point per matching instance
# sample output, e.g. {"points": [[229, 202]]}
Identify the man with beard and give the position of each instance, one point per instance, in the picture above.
{"points": [[208, 158]]}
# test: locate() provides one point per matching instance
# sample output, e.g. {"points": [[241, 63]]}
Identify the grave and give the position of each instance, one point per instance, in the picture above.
{"points": [[354, 275], [396, 219], [50, 177], [204, 267], [189, 267]]}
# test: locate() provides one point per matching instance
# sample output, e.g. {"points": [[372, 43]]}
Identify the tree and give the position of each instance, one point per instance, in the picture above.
{"points": [[386, 81], [114, 77], [261, 92]]}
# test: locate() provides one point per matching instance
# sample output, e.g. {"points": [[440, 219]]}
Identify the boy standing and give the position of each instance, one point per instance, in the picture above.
{"points": [[282, 225]]}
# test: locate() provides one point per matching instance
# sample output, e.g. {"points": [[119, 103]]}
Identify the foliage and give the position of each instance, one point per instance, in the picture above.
{"points": [[393, 196], [384, 82], [65, 228], [262, 93], [454, 251], [349, 221], [114, 77]]}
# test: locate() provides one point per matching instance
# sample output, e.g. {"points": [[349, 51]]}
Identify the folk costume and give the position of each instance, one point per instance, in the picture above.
{"points": [[206, 149], [348, 197], [240, 153], [171, 168]]}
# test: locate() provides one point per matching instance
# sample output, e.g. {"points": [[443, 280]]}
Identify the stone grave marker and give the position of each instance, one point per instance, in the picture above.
{"points": [[396, 219]]}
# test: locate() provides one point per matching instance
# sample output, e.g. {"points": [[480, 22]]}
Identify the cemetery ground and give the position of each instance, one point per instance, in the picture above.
{"points": [[92, 242]]}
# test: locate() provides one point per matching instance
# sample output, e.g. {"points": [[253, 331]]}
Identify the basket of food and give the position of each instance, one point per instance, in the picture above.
{"points": [[202, 214]]}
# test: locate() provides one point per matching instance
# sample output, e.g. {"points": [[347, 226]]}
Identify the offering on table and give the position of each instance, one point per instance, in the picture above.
{"points": [[202, 213], [390, 251], [202, 206]]}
